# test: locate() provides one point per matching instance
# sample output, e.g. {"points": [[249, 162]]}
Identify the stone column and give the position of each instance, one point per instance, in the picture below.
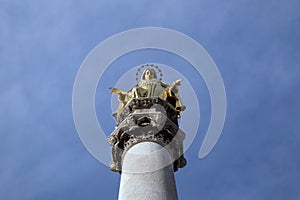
{"points": [[147, 148], [146, 174]]}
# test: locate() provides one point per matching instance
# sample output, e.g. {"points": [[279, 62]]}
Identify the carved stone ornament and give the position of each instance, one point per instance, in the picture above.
{"points": [[148, 119]]}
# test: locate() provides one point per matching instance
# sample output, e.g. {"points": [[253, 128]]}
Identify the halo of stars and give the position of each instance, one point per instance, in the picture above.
{"points": [[155, 67]]}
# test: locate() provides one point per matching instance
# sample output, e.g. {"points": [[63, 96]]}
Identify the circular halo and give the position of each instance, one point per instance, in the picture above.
{"points": [[149, 66], [89, 74]]}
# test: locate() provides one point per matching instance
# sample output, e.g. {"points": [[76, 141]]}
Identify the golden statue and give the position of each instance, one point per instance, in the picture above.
{"points": [[150, 86]]}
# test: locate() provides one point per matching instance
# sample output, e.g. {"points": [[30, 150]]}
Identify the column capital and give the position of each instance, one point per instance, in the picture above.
{"points": [[147, 120]]}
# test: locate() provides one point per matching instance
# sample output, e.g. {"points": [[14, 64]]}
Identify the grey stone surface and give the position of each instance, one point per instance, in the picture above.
{"points": [[140, 178]]}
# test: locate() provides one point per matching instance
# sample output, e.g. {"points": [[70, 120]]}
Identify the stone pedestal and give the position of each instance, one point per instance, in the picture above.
{"points": [[146, 175]]}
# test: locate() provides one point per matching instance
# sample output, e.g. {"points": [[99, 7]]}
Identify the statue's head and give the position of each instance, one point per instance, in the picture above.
{"points": [[149, 74]]}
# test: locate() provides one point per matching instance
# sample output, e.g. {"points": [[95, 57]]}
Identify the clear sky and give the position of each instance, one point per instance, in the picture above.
{"points": [[255, 44]]}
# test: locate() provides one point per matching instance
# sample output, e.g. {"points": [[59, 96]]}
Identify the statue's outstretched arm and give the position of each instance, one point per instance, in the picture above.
{"points": [[174, 86], [123, 97], [117, 91]]}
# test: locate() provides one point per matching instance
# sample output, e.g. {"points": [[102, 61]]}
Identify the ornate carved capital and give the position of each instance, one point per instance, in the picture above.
{"points": [[147, 119]]}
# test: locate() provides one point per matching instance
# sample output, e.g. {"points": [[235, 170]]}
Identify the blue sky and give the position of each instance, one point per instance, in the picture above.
{"points": [[254, 43]]}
